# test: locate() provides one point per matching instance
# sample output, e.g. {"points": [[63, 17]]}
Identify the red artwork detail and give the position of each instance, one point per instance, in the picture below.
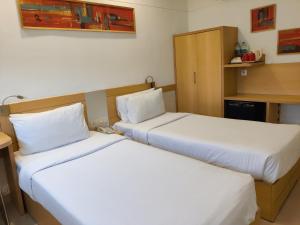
{"points": [[263, 18], [76, 15]]}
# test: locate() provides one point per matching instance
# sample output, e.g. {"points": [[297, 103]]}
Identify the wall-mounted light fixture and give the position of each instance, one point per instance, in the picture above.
{"points": [[150, 80], [4, 109], [12, 96]]}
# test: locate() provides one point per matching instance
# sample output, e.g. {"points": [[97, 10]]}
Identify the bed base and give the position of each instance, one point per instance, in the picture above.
{"points": [[271, 197], [43, 217], [39, 213]]}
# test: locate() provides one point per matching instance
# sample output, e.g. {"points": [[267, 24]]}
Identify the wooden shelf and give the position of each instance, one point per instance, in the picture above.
{"points": [[244, 65], [247, 65], [279, 99]]}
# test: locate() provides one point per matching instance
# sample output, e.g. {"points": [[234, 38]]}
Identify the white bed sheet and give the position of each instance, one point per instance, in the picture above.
{"points": [[266, 151], [127, 183], [130, 129]]}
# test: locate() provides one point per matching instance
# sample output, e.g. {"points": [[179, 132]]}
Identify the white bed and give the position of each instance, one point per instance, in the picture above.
{"points": [[266, 151], [109, 180]]}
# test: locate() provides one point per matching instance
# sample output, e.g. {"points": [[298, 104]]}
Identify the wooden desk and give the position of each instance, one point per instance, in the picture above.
{"points": [[279, 99], [10, 165], [273, 103]]}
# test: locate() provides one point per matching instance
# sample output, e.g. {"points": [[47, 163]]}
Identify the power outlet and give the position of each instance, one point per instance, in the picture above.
{"points": [[244, 72]]}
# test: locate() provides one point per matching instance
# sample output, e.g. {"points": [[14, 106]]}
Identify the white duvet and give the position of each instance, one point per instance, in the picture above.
{"points": [[266, 151], [106, 180]]}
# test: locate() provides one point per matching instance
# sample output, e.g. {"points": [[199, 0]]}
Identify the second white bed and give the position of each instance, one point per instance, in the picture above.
{"points": [[266, 151], [108, 180]]}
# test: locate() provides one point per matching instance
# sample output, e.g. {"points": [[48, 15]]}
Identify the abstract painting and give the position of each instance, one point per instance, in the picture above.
{"points": [[263, 18], [289, 41], [76, 15]]}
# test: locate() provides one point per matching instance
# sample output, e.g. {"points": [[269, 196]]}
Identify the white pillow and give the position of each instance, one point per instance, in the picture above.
{"points": [[146, 106], [122, 102], [37, 132]]}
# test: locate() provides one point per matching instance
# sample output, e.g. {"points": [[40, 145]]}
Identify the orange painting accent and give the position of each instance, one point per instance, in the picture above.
{"points": [[76, 15], [289, 41]]}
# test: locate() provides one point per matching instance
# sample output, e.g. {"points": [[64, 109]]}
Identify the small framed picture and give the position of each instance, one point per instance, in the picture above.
{"points": [[289, 41], [263, 18]]}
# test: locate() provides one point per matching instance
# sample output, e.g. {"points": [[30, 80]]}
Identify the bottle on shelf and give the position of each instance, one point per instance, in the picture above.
{"points": [[237, 50], [244, 48]]}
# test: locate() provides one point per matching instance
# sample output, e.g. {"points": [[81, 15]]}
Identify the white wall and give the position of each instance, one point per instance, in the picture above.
{"points": [[48, 63], [170, 101], [211, 13], [97, 108], [290, 114]]}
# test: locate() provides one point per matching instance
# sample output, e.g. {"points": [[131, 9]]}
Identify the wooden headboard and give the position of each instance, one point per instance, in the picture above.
{"points": [[112, 94], [40, 105]]}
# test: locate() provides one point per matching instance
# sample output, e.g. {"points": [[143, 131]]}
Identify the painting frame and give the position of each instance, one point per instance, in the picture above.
{"points": [[133, 31], [264, 10], [286, 42]]}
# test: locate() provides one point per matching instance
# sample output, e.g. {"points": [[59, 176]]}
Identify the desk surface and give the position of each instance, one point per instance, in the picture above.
{"points": [[4, 140], [280, 99]]}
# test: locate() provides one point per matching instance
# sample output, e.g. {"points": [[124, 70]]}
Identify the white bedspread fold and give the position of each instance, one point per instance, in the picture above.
{"points": [[62, 155], [139, 132]]}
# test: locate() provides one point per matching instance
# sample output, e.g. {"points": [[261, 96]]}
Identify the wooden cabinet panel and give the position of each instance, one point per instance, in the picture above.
{"points": [[209, 73], [185, 63], [199, 60]]}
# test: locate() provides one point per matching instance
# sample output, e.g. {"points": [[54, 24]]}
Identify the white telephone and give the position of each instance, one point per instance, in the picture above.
{"points": [[106, 130]]}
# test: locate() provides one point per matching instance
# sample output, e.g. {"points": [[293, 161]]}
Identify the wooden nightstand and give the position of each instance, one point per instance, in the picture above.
{"points": [[5, 141], [6, 151]]}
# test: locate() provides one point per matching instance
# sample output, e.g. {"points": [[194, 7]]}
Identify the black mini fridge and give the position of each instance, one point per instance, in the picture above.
{"points": [[245, 110]]}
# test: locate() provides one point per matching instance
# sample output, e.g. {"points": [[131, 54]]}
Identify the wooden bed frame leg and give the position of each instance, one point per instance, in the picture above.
{"points": [[257, 219], [12, 179], [38, 213]]}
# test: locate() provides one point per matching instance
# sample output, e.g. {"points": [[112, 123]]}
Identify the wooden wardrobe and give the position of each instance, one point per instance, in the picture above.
{"points": [[199, 65]]}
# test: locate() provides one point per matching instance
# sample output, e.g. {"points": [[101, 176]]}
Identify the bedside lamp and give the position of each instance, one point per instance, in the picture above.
{"points": [[12, 96], [4, 109]]}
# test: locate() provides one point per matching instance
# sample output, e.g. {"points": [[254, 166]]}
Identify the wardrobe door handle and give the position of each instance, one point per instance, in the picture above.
{"points": [[195, 78]]}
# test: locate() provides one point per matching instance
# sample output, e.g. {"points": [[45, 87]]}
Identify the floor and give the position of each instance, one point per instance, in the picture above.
{"points": [[16, 219], [289, 215]]}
